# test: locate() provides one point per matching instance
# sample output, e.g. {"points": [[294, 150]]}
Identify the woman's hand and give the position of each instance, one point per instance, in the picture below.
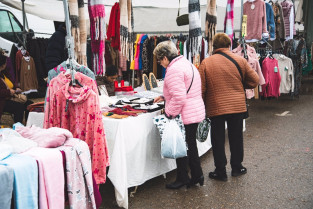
{"points": [[12, 91], [158, 99], [18, 90]]}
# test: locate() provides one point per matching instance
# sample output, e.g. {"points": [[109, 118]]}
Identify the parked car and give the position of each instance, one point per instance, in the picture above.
{"points": [[11, 26]]}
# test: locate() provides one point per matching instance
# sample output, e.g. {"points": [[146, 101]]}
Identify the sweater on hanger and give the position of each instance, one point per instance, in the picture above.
{"points": [[77, 110], [270, 21], [286, 72], [272, 78], [256, 20], [28, 75]]}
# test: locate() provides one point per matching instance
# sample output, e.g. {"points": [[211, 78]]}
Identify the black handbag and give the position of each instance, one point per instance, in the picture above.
{"points": [[182, 19], [245, 114]]}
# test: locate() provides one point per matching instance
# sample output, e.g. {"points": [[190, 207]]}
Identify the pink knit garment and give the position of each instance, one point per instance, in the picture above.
{"points": [[77, 110], [256, 20], [48, 138]]}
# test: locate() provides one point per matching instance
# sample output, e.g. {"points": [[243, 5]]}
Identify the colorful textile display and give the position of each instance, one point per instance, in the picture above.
{"points": [[97, 34], [229, 19], [210, 23]]}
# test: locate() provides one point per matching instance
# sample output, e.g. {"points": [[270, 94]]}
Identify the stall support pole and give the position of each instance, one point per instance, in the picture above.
{"points": [[24, 20], [69, 39]]}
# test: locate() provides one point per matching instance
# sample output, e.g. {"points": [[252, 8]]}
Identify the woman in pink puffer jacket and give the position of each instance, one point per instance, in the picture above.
{"points": [[182, 95]]}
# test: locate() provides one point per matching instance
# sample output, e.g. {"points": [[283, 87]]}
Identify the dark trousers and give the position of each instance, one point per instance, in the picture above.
{"points": [[192, 158], [235, 136], [17, 109]]}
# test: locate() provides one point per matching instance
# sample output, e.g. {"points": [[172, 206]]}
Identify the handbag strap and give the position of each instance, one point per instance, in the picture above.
{"points": [[191, 80], [233, 61]]}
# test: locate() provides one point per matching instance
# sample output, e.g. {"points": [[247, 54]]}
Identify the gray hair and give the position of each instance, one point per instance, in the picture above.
{"points": [[165, 49]]}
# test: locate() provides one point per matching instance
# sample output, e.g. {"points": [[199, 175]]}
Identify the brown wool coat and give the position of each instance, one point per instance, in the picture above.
{"points": [[222, 89]]}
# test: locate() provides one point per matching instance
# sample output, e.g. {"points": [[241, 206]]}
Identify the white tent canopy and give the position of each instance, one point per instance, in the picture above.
{"points": [[150, 15]]}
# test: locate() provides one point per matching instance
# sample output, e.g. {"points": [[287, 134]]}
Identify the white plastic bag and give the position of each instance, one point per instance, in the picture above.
{"points": [[173, 144]]}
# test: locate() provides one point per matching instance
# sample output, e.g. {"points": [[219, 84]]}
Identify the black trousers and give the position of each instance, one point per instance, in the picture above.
{"points": [[193, 157], [235, 136], [17, 109]]}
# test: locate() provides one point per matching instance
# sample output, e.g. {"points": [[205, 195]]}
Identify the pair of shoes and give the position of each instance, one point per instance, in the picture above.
{"points": [[217, 176], [176, 185], [239, 172], [193, 182]]}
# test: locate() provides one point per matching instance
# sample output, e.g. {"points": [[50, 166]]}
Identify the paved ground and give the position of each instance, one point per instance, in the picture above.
{"points": [[278, 156]]}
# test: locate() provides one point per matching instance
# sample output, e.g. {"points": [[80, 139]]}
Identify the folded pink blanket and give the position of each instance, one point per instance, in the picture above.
{"points": [[48, 138]]}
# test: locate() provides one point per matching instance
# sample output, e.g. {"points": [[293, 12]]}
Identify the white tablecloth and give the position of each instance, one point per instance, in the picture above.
{"points": [[134, 147], [134, 150]]}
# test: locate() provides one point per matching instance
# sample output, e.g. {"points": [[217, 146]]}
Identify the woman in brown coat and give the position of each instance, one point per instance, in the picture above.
{"points": [[224, 98]]}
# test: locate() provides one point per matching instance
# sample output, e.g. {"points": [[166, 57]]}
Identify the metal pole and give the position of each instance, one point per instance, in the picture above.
{"points": [[69, 39], [23, 34], [69, 43], [241, 18]]}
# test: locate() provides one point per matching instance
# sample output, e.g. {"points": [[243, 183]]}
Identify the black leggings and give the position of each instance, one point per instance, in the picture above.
{"points": [[17, 109], [192, 159]]}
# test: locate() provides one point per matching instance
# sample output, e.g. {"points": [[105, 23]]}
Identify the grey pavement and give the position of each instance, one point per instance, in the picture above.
{"points": [[278, 156]]}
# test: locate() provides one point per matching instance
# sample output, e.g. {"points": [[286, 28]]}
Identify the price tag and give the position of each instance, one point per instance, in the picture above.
{"points": [[252, 6], [28, 67], [286, 68], [275, 69]]}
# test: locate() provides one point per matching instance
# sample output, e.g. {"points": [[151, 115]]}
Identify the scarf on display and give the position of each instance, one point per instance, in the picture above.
{"points": [[229, 19], [113, 32], [97, 34], [194, 28], [81, 54], [131, 36], [73, 9], [124, 26], [210, 23]]}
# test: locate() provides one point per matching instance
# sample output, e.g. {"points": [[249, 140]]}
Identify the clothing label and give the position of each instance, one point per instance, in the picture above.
{"points": [[28, 67], [275, 69], [286, 68]]}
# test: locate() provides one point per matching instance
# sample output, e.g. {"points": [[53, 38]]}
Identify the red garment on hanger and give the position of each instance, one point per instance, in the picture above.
{"points": [[113, 32]]}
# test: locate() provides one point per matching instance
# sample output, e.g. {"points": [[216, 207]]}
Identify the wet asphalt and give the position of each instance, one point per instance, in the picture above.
{"points": [[278, 156]]}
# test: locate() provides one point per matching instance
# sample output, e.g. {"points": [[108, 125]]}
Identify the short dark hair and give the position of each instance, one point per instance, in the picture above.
{"points": [[3, 58], [221, 40], [110, 70]]}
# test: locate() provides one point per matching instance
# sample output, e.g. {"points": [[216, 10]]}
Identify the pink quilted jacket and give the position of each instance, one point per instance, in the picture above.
{"points": [[176, 83]]}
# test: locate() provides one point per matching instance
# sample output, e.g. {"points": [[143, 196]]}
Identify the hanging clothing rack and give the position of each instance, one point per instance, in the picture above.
{"points": [[69, 40]]}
